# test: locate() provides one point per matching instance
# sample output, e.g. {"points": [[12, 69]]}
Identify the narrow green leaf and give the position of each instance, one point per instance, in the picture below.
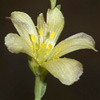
{"points": [[59, 7], [53, 3]]}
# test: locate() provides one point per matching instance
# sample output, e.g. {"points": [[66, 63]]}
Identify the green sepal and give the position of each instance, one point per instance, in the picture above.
{"points": [[59, 7], [53, 3], [35, 67]]}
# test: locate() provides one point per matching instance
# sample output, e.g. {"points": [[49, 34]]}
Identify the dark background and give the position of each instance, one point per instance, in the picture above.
{"points": [[17, 80]]}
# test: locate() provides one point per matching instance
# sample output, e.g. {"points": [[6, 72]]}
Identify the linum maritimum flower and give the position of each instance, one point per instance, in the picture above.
{"points": [[39, 43]]}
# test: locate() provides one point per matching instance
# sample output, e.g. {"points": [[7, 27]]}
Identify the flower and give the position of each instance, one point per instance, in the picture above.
{"points": [[39, 43]]}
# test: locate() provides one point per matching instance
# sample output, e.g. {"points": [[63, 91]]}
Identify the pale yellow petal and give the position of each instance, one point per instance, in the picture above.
{"points": [[73, 43], [42, 28], [41, 24], [24, 25], [55, 22], [16, 44], [66, 70]]}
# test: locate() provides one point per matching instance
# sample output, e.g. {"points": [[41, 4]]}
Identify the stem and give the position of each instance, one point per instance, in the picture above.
{"points": [[40, 86], [40, 78]]}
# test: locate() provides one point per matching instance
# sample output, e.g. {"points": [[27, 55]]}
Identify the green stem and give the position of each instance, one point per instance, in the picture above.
{"points": [[40, 87], [40, 78]]}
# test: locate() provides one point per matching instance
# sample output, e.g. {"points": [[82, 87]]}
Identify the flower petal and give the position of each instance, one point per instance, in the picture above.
{"points": [[66, 70], [41, 24], [55, 22], [24, 25], [42, 28], [73, 43], [16, 44]]}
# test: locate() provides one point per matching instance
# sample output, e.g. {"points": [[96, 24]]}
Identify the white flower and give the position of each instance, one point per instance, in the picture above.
{"points": [[39, 43]]}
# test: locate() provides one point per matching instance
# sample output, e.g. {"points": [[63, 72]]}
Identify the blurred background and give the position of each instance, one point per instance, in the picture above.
{"points": [[17, 80]]}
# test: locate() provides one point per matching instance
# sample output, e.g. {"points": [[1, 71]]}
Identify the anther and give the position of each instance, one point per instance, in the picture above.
{"points": [[32, 38], [49, 47], [52, 35], [40, 31], [43, 45]]}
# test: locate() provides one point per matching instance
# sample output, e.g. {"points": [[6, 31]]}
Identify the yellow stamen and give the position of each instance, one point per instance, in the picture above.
{"points": [[39, 51], [37, 46], [32, 46], [37, 59], [43, 45], [40, 31], [49, 49], [34, 54], [52, 35], [32, 38]]}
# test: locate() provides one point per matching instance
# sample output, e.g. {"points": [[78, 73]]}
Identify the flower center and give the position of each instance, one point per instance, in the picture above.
{"points": [[41, 50]]}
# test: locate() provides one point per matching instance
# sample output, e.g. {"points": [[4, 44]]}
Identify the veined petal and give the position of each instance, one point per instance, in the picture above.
{"points": [[66, 70], [55, 22], [24, 25], [16, 44], [73, 43], [41, 24]]}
